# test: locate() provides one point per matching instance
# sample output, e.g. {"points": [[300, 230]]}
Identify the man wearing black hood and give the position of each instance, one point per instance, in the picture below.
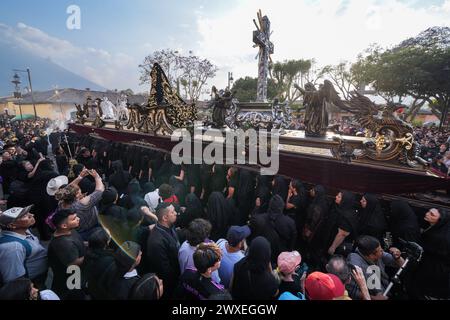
{"points": [[276, 227], [120, 178], [8, 170], [112, 216], [37, 194]]}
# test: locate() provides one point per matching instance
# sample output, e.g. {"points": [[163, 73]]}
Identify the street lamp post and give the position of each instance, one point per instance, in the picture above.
{"points": [[230, 80], [58, 98], [31, 89], [17, 93]]}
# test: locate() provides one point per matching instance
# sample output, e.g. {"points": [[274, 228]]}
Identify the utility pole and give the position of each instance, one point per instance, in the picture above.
{"points": [[230, 80], [31, 89]]}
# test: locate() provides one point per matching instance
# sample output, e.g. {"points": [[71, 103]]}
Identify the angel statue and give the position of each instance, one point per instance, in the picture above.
{"points": [[122, 110], [316, 102], [108, 109], [221, 103], [82, 113]]}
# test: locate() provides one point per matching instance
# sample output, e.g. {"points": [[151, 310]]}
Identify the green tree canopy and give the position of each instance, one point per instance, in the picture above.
{"points": [[286, 74], [191, 72], [418, 67], [246, 88]]}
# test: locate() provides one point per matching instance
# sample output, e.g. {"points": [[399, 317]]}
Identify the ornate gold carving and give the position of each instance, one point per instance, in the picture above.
{"points": [[407, 141], [380, 143]]}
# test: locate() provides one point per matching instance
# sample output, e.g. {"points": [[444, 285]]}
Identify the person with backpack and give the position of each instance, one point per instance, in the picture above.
{"points": [[21, 253]]}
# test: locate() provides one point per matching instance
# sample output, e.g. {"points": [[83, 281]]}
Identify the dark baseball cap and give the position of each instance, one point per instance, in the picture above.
{"points": [[236, 234], [13, 214]]}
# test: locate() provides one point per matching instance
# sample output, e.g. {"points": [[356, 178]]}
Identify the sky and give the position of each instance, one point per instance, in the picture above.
{"points": [[116, 35]]}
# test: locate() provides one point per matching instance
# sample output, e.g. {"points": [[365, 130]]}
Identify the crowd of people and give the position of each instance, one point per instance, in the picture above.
{"points": [[434, 148], [122, 222]]}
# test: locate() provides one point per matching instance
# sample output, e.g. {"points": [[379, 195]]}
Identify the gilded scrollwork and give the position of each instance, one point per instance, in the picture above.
{"points": [[387, 137]]}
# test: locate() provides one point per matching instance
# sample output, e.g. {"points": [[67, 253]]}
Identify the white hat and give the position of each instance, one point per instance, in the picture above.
{"points": [[11, 215], [54, 184]]}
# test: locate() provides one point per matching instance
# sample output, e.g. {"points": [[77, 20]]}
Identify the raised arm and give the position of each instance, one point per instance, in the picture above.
{"points": [[32, 173], [76, 181], [99, 186], [340, 237]]}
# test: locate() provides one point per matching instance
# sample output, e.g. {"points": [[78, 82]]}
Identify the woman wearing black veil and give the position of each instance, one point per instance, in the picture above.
{"points": [[280, 187], [245, 196], [205, 177], [120, 178], [262, 199], [372, 221], [219, 213], [218, 178], [316, 225], [192, 211], [345, 230], [403, 223]]}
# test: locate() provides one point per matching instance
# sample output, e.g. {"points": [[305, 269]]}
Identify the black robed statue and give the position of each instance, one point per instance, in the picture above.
{"points": [[316, 101], [220, 102]]}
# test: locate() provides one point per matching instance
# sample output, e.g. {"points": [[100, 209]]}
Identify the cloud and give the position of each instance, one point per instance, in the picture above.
{"points": [[110, 70], [446, 6], [330, 31]]}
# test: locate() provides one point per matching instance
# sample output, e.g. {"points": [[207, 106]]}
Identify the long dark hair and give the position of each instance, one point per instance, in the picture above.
{"points": [[19, 289], [146, 288]]}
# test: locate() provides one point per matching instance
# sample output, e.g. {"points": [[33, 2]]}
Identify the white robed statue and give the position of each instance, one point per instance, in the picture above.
{"points": [[122, 110], [108, 109]]}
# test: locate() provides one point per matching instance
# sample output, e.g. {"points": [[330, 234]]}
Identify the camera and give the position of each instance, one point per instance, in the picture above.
{"points": [[301, 269], [351, 267], [413, 250]]}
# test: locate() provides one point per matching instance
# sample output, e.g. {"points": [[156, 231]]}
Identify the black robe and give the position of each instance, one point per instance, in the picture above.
{"points": [[372, 221], [403, 223], [219, 214], [433, 274]]}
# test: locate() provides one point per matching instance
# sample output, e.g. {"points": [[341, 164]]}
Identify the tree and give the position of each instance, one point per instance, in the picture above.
{"points": [[418, 67], [246, 88], [343, 77], [190, 72], [168, 59], [366, 70], [128, 92], [286, 74], [196, 72]]}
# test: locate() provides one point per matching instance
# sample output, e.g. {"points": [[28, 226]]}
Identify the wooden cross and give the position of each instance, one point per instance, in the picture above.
{"points": [[261, 38]]}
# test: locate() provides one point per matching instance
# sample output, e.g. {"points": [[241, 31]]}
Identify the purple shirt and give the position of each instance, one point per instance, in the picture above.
{"points": [[186, 260]]}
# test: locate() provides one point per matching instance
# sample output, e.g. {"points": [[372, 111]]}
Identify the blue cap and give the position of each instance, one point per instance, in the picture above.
{"points": [[236, 234]]}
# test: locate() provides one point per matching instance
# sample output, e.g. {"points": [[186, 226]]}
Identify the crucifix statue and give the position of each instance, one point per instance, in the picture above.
{"points": [[261, 39]]}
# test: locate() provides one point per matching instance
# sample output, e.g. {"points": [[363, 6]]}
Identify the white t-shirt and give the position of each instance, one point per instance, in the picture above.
{"points": [[48, 295], [152, 199]]}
